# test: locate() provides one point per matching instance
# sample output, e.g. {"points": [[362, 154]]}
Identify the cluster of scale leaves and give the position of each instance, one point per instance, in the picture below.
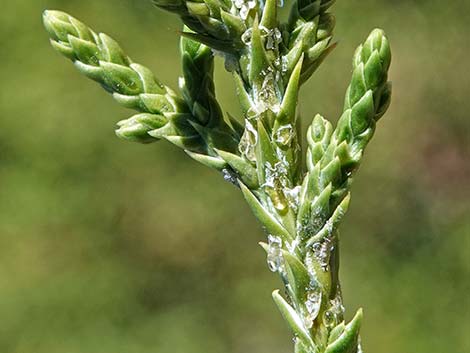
{"points": [[300, 207]]}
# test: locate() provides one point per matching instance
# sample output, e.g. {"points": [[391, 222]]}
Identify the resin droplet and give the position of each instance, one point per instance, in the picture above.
{"points": [[251, 4], [244, 12], [284, 64], [248, 142], [229, 176], [293, 245], [244, 7], [278, 199], [284, 135], [273, 38], [276, 175], [266, 97], [246, 36], [329, 319], [337, 306], [308, 321], [313, 303], [322, 253], [276, 182], [274, 253], [293, 196]]}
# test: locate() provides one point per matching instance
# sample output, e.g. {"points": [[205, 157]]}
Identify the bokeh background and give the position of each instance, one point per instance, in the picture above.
{"points": [[113, 247]]}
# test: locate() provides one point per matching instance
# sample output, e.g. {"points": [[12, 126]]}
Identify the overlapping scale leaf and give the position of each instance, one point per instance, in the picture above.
{"points": [[197, 87], [136, 128], [212, 21], [345, 338], [310, 29], [294, 321]]}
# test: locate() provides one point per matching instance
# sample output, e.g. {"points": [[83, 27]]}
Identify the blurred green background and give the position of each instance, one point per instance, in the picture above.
{"points": [[114, 247]]}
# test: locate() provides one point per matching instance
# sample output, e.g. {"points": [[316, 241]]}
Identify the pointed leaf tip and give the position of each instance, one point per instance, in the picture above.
{"points": [[258, 59], [244, 169], [289, 102], [293, 319], [348, 340], [269, 18], [271, 225]]}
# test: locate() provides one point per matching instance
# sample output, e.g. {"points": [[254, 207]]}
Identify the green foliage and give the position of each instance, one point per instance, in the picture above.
{"points": [[300, 206]]}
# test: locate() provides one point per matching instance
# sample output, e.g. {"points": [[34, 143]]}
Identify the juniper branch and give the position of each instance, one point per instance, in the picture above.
{"points": [[310, 31], [100, 58], [163, 113], [299, 210], [198, 89], [214, 22]]}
